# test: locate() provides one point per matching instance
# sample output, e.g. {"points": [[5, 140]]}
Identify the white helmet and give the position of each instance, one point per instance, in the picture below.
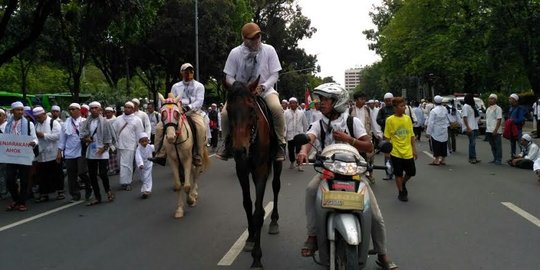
{"points": [[335, 92]]}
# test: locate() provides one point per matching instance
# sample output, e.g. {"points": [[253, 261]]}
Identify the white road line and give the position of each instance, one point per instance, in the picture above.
{"points": [[39, 216], [211, 155], [522, 213], [237, 247], [428, 154]]}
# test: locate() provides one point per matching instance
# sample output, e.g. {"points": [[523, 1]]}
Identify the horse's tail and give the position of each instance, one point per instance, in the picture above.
{"points": [[205, 159]]}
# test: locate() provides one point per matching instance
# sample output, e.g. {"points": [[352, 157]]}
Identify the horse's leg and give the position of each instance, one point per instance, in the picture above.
{"points": [[174, 168], [186, 163], [260, 178], [193, 193], [276, 186], [179, 212], [242, 171]]}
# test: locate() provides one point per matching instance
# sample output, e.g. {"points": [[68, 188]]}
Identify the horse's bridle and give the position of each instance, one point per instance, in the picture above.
{"points": [[169, 118]]}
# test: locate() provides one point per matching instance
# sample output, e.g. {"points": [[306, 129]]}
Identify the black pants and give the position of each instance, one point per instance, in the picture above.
{"points": [[75, 171], [19, 193], [152, 138], [49, 177], [417, 132], [101, 167], [293, 149], [215, 137]]}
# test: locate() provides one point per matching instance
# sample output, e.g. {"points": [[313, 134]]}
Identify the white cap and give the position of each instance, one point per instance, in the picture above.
{"points": [[2, 111], [136, 101], [376, 100], [437, 99], [95, 104], [75, 105], [293, 99], [526, 137], [514, 96], [17, 105], [214, 104], [388, 95], [185, 66], [38, 110], [109, 109], [370, 101], [129, 104], [27, 108], [284, 101], [142, 135], [85, 106], [55, 108], [493, 96]]}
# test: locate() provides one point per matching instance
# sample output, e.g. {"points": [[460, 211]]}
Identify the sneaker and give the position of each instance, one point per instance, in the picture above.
{"points": [[291, 166], [403, 197], [300, 168]]}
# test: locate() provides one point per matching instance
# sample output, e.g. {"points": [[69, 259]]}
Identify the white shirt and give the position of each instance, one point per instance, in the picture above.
{"points": [[147, 127], [295, 123], [377, 132], [192, 93], [493, 113], [154, 120], [339, 124], [268, 66], [364, 114], [69, 141], [438, 123], [142, 154], [536, 110], [127, 136], [468, 112], [48, 144]]}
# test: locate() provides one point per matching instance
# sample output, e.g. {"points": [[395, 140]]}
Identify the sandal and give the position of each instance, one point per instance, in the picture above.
{"points": [[42, 199], [60, 196], [22, 208], [12, 206], [310, 246], [110, 196], [387, 265]]}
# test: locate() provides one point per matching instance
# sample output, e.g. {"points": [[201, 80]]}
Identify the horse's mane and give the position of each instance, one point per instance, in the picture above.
{"points": [[239, 90]]}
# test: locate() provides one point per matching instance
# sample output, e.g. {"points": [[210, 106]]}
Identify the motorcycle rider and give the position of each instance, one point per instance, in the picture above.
{"points": [[334, 101]]}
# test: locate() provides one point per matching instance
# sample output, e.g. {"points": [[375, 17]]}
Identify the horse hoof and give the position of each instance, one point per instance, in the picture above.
{"points": [[176, 188], [187, 188], [256, 266], [273, 228], [179, 214], [248, 247], [191, 202]]}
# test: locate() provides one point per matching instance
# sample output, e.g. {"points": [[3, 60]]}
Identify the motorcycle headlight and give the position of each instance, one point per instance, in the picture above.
{"points": [[344, 168]]}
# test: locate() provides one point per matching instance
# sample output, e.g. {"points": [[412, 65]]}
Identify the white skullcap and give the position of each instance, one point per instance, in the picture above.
{"points": [[214, 104], [129, 104], [95, 104], [75, 105], [493, 96], [109, 109], [388, 95], [370, 101], [136, 101], [143, 135], [185, 66], [38, 110], [85, 106], [55, 108], [293, 99], [526, 137], [17, 105], [2, 111], [27, 108], [376, 100], [514, 96], [437, 99], [284, 101]]}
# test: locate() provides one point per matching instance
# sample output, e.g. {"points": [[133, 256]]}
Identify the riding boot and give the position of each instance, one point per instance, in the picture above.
{"points": [[225, 152], [280, 153], [158, 160]]}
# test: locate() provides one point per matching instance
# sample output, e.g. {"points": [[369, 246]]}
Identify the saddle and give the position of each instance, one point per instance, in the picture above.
{"points": [[267, 113]]}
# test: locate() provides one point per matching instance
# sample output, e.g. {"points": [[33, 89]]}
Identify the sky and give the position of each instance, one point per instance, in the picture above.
{"points": [[339, 43]]}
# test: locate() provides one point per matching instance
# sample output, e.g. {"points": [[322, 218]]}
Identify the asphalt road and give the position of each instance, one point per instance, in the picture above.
{"points": [[455, 219]]}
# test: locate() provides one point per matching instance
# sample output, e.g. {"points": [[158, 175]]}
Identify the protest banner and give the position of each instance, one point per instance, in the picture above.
{"points": [[16, 149]]}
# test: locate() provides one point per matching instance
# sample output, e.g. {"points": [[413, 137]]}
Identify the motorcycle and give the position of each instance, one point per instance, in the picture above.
{"points": [[344, 209]]}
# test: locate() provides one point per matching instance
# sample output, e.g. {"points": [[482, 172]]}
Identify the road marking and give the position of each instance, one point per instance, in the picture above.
{"points": [[238, 246], [39, 216], [522, 213], [428, 154], [211, 155]]}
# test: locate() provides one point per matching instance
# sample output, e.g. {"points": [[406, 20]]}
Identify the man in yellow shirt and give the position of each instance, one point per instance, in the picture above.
{"points": [[399, 131]]}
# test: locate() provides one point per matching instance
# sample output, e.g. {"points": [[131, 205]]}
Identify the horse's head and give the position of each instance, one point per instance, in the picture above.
{"points": [[241, 110], [171, 114]]}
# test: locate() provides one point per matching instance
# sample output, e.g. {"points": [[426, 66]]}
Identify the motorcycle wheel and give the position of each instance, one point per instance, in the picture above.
{"points": [[346, 255]]}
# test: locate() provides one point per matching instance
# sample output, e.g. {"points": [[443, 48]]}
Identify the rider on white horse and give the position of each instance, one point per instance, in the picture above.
{"points": [[192, 93]]}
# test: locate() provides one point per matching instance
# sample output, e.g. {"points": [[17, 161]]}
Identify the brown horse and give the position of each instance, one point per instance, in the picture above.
{"points": [[252, 141], [178, 142]]}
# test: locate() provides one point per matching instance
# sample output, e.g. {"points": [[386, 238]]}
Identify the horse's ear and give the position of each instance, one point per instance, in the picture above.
{"points": [[161, 98], [253, 85], [176, 99]]}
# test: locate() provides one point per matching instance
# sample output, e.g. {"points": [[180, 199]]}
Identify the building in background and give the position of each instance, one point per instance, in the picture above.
{"points": [[352, 78]]}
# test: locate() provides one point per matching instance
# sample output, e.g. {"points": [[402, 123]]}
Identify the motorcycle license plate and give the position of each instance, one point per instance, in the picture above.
{"points": [[342, 200]]}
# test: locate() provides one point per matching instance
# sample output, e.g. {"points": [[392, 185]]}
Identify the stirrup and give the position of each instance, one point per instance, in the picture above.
{"points": [[280, 153]]}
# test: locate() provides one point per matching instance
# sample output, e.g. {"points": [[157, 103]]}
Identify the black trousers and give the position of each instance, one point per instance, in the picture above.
{"points": [[215, 137], [75, 171], [19, 193], [293, 149], [98, 167], [49, 177]]}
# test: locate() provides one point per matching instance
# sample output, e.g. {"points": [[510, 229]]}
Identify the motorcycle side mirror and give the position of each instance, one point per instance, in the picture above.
{"points": [[301, 139], [385, 147]]}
